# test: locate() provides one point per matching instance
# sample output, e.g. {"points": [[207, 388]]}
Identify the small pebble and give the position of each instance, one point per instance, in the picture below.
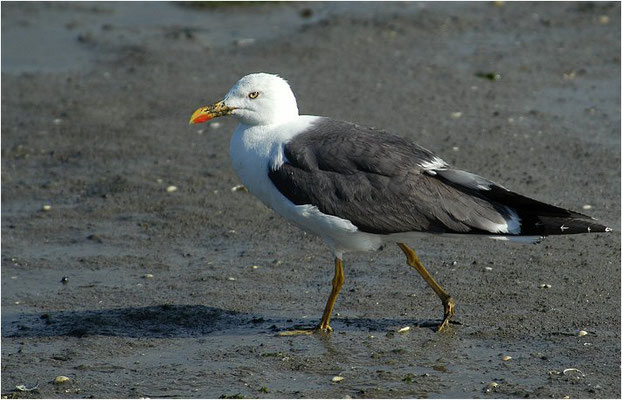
{"points": [[95, 237], [61, 379], [506, 358], [46, 207], [491, 386], [553, 372], [456, 115], [215, 125], [337, 378], [64, 280], [255, 267], [582, 333], [58, 121], [587, 207], [499, 3], [603, 19], [570, 75], [544, 286], [171, 189], [148, 276], [404, 329], [231, 278], [455, 148], [159, 180], [488, 269]]}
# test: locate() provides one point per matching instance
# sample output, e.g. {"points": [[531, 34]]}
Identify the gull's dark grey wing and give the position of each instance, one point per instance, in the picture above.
{"points": [[385, 184]]}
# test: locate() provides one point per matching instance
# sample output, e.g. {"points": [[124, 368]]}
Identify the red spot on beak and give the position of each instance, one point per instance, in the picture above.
{"points": [[201, 118]]}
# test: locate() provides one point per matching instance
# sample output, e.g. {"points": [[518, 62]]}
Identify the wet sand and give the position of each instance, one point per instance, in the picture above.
{"points": [[179, 293]]}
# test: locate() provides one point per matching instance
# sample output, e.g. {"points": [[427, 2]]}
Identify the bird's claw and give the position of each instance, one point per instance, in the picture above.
{"points": [[319, 329], [450, 310]]}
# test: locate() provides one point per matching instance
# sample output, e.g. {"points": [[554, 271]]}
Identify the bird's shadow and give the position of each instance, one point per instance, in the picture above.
{"points": [[173, 321]]}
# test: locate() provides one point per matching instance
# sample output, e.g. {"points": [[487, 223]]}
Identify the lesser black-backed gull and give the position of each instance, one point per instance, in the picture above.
{"points": [[359, 188]]}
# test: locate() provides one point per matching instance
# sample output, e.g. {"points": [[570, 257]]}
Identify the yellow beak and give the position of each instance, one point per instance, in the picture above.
{"points": [[204, 114]]}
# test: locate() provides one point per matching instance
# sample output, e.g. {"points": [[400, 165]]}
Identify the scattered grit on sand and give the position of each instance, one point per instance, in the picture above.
{"points": [[130, 288]]}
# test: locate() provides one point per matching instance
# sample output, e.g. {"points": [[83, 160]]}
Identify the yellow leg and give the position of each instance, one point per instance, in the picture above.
{"points": [[324, 325], [338, 281], [448, 303]]}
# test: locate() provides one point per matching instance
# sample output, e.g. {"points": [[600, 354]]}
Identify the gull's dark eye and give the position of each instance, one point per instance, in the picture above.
{"points": [[253, 95]]}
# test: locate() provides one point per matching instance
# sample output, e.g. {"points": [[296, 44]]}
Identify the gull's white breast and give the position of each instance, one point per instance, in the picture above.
{"points": [[255, 149]]}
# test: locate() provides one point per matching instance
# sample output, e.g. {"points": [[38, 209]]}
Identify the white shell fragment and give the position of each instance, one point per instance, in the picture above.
{"points": [[404, 329], [148, 276], [171, 189], [24, 388], [506, 358], [582, 333], [456, 115], [337, 378], [244, 42], [587, 207], [569, 371], [61, 379], [239, 188], [46, 207]]}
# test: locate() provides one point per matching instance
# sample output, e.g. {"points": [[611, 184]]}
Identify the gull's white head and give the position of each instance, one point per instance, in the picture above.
{"points": [[256, 99]]}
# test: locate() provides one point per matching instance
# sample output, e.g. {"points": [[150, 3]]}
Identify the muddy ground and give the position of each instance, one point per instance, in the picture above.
{"points": [[131, 290]]}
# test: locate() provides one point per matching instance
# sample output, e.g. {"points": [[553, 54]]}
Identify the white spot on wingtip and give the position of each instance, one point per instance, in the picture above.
{"points": [[608, 229], [433, 164], [563, 228]]}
